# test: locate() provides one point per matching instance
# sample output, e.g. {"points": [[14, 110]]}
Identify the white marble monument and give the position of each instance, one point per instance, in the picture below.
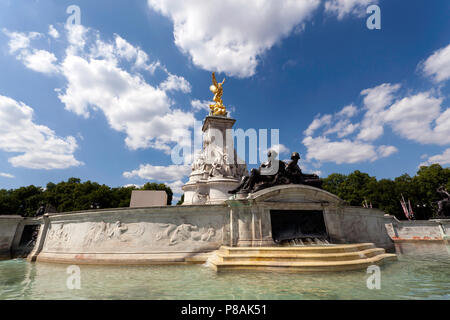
{"points": [[217, 169]]}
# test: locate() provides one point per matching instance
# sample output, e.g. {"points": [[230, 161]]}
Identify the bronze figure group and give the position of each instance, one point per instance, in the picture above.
{"points": [[276, 172]]}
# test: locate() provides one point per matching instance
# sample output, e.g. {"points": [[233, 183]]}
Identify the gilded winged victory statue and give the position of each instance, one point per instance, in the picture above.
{"points": [[217, 109]]}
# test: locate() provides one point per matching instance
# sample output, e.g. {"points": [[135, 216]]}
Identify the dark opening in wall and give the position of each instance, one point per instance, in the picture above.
{"points": [[27, 240], [297, 224]]}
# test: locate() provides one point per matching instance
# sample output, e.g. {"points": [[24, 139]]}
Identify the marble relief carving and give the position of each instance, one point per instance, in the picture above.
{"points": [[58, 233], [103, 231], [179, 233]]}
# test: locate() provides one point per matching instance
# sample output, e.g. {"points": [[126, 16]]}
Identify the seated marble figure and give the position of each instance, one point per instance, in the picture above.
{"points": [[276, 172]]}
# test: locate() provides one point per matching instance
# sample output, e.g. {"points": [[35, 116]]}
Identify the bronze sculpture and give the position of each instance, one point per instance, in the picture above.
{"points": [[276, 172], [444, 204]]}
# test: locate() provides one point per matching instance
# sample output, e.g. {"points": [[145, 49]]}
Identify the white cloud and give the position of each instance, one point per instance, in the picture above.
{"points": [[38, 145], [6, 175], [442, 159], [342, 128], [437, 66], [53, 32], [76, 36], [419, 118], [386, 151], [40, 61], [19, 40], [36, 60], [105, 76], [278, 148], [138, 186], [348, 111], [176, 83], [351, 150], [317, 123], [169, 175], [159, 173], [375, 101], [141, 60], [342, 8], [97, 81], [229, 35], [198, 105], [344, 151], [176, 187]]}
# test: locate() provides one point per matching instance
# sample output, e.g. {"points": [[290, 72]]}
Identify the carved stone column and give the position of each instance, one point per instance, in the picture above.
{"points": [[216, 170]]}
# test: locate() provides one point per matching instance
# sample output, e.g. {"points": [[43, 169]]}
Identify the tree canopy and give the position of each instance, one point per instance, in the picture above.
{"points": [[70, 195], [385, 194]]}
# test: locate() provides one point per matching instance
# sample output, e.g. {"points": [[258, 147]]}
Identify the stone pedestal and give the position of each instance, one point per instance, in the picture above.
{"points": [[217, 169]]}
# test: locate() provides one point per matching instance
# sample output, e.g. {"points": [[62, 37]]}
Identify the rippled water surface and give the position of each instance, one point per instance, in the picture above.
{"points": [[420, 273]]}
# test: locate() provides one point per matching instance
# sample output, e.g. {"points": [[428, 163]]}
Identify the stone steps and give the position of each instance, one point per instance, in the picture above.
{"points": [[299, 259], [302, 257], [340, 248]]}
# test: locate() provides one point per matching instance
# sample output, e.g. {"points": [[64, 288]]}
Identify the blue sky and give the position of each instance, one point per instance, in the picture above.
{"points": [[108, 99]]}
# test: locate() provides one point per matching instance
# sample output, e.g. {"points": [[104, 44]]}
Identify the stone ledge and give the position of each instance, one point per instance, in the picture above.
{"points": [[124, 258]]}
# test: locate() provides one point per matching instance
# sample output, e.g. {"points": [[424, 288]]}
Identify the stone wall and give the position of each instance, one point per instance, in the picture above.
{"points": [[8, 228], [187, 234], [357, 224], [133, 236], [251, 224], [419, 230]]}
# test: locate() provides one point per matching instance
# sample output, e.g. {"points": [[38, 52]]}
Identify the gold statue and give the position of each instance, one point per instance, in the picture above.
{"points": [[217, 109]]}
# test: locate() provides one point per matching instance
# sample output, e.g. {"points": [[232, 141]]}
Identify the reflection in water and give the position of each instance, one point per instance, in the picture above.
{"points": [[422, 272]]}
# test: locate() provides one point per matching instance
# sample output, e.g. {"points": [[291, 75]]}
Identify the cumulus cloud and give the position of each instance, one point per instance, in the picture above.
{"points": [[278, 148], [375, 101], [159, 173], [6, 175], [130, 104], [343, 8], [198, 105], [176, 187], [348, 111], [38, 146], [106, 76], [40, 61], [420, 118], [317, 123], [170, 175], [19, 40], [442, 159], [53, 32], [349, 150], [437, 66], [342, 128], [34, 59], [176, 83], [344, 151], [229, 36]]}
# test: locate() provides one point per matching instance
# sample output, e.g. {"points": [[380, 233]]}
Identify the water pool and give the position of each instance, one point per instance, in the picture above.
{"points": [[421, 272]]}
